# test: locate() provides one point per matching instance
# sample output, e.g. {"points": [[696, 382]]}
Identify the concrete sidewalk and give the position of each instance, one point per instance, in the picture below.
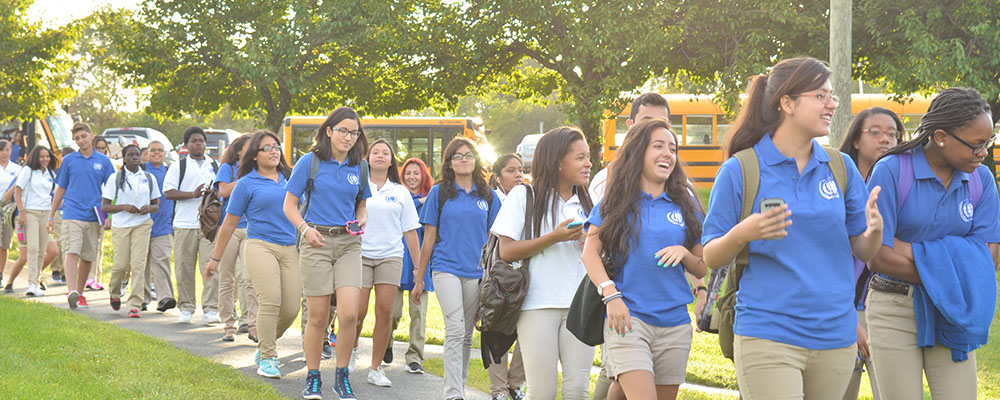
{"points": [[204, 340]]}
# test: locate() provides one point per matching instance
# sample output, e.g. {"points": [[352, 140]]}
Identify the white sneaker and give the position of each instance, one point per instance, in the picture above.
{"points": [[210, 317], [185, 317], [354, 359], [32, 290], [377, 377]]}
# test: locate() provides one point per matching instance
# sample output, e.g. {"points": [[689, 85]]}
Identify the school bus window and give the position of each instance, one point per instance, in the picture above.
{"points": [[413, 142], [911, 122], [302, 137], [677, 124], [379, 133], [699, 129], [722, 126], [620, 125]]}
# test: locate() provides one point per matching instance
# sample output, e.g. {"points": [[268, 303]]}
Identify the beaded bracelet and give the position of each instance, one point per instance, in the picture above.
{"points": [[615, 295]]}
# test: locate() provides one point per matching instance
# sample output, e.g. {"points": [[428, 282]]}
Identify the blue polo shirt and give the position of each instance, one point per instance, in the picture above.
{"points": [[82, 177], [261, 201], [656, 295], [334, 190], [227, 174], [406, 281], [798, 290], [163, 219], [463, 227], [931, 211], [15, 153]]}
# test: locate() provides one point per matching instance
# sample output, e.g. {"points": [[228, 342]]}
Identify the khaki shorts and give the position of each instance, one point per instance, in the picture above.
{"points": [[660, 350], [82, 238], [335, 265], [385, 271]]}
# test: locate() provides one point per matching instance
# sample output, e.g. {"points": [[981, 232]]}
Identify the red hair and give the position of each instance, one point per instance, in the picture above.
{"points": [[425, 176]]}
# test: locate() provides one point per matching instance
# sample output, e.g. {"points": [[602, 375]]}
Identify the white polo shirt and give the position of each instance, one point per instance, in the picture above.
{"points": [[186, 211], [8, 174], [135, 191], [36, 188], [390, 213], [598, 184], [556, 272]]}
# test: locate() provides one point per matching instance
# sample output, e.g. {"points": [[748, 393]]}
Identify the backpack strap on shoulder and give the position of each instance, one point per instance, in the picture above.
{"points": [[184, 166], [313, 170], [975, 188], [906, 177], [362, 182], [838, 168], [751, 183]]}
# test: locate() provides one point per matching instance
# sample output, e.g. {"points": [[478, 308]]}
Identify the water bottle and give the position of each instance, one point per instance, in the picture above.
{"points": [[20, 234]]}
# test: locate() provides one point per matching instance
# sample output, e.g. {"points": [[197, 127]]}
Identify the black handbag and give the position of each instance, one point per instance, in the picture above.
{"points": [[586, 314]]}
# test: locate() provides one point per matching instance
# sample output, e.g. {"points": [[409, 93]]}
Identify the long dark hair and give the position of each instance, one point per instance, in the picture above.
{"points": [[951, 109], [545, 178], [447, 183], [35, 163], [247, 163], [854, 131], [498, 167], [761, 111], [620, 207], [393, 174], [425, 176], [322, 142], [232, 154]]}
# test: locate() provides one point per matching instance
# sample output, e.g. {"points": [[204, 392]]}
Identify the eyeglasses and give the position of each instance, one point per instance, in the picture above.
{"points": [[344, 132], [878, 133], [823, 97], [269, 148], [975, 149], [468, 156]]}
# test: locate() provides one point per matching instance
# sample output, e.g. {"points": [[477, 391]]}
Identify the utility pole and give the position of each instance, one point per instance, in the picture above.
{"points": [[840, 62]]}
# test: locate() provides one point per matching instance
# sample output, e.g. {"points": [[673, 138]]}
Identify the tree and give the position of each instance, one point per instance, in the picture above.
{"points": [[33, 65], [509, 119], [268, 58]]}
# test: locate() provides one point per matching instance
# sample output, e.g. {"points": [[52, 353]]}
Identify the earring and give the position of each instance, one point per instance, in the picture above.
{"points": [[941, 144]]}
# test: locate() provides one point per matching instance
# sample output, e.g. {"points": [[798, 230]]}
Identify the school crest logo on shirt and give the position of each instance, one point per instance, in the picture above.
{"points": [[966, 210], [483, 205], [581, 214], [675, 217], [390, 198], [11, 173], [828, 188], [98, 167], [352, 178]]}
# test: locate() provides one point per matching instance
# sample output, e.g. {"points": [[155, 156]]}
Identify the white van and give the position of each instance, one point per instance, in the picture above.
{"points": [[526, 149]]}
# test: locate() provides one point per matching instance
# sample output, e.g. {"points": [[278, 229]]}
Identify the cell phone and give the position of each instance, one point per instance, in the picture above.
{"points": [[574, 224], [354, 228], [770, 203]]}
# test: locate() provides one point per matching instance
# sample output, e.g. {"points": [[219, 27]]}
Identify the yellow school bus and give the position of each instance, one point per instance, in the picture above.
{"points": [[701, 127], [421, 137], [51, 132]]}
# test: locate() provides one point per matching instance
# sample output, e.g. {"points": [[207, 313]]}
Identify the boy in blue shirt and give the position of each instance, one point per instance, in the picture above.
{"points": [[161, 241]]}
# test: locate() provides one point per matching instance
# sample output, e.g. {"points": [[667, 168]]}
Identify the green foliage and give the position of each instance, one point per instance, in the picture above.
{"points": [[33, 65], [508, 119]]}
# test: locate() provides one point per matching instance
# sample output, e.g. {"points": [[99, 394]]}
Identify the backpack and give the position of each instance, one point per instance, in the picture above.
{"points": [[721, 321], [180, 180], [210, 213], [504, 284]]}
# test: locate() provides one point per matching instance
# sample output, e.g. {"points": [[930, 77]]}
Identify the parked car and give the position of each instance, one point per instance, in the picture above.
{"points": [[141, 137], [526, 149], [217, 140]]}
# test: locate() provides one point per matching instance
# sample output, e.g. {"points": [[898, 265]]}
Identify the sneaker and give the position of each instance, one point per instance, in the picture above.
{"points": [[94, 285], [387, 358], [9, 288], [333, 339], [414, 368], [133, 313], [166, 304], [56, 276], [256, 358], [327, 351], [354, 360], [229, 336], [185, 317], [210, 317], [31, 290], [73, 298], [515, 394], [244, 328], [116, 304], [377, 377], [124, 291], [152, 292], [268, 368], [314, 387], [41, 284], [501, 396], [143, 307], [343, 385], [82, 303]]}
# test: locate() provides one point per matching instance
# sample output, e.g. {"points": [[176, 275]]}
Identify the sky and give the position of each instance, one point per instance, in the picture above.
{"points": [[54, 13]]}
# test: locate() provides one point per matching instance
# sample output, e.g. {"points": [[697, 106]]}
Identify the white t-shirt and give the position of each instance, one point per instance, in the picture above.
{"points": [[598, 185], [390, 213], [186, 211], [8, 174], [135, 191], [36, 188], [555, 273]]}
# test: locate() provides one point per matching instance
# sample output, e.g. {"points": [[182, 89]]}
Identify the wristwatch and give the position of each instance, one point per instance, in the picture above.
{"points": [[600, 288]]}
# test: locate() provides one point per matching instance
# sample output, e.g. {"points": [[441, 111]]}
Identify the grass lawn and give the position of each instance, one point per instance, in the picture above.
{"points": [[56, 354]]}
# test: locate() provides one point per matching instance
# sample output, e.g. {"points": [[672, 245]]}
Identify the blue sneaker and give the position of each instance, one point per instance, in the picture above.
{"points": [[333, 339], [256, 358], [314, 386], [342, 385], [268, 368]]}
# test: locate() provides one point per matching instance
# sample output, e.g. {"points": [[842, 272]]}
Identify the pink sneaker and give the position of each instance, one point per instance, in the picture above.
{"points": [[94, 285]]}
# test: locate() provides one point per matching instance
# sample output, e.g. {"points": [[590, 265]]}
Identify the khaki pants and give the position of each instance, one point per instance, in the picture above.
{"points": [[191, 248], [459, 298], [232, 261], [38, 239], [57, 263], [900, 364], [418, 325], [543, 336], [771, 370], [242, 280], [504, 376], [855, 385], [131, 245], [274, 271], [158, 267]]}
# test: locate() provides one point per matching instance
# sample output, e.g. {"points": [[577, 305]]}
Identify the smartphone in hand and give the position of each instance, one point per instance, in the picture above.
{"points": [[770, 203], [354, 228]]}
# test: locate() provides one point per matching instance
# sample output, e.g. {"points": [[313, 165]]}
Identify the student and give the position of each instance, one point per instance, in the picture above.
{"points": [[391, 230], [96, 273], [16, 146], [650, 210], [330, 256], [559, 175], [190, 244], [874, 131], [453, 240], [953, 138], [130, 195], [78, 190], [8, 174], [161, 241], [145, 155], [417, 179], [799, 339], [506, 174], [232, 267], [272, 263], [33, 193]]}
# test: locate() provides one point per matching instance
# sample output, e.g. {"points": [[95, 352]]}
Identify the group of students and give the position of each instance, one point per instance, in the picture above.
{"points": [[866, 276]]}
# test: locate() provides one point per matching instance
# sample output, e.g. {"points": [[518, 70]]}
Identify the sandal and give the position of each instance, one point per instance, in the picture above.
{"points": [[230, 336]]}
